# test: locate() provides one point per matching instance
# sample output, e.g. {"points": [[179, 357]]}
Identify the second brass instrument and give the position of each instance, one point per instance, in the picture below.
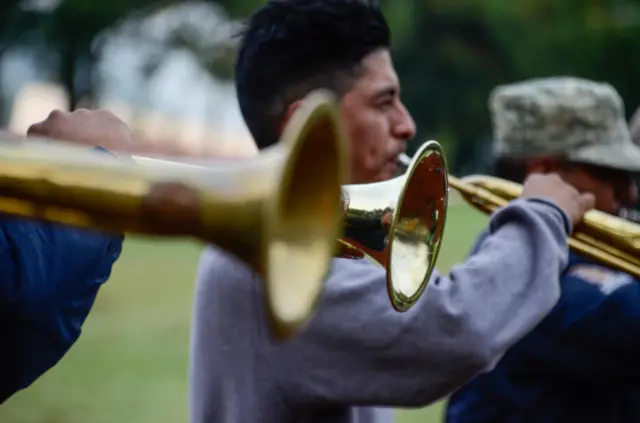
{"points": [[280, 212], [606, 239], [609, 240], [399, 223]]}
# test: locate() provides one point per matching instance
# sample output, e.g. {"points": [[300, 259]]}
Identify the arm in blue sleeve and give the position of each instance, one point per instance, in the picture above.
{"points": [[593, 332], [49, 278]]}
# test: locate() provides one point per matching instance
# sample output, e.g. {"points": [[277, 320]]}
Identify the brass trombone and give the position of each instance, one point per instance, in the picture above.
{"points": [[280, 211], [609, 240]]}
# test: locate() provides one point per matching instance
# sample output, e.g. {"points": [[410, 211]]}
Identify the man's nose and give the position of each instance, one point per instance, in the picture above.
{"points": [[405, 128]]}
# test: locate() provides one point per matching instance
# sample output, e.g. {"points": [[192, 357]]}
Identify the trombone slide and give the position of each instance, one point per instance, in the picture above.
{"points": [[606, 239], [609, 240]]}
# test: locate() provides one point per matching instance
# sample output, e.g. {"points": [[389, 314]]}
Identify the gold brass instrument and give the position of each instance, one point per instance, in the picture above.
{"points": [[606, 239], [609, 240], [280, 211], [399, 224]]}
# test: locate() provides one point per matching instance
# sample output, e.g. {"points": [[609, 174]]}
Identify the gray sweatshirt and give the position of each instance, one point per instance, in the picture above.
{"points": [[357, 356]]}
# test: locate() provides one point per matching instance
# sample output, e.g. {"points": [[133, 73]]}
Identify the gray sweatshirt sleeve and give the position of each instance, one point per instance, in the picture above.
{"points": [[358, 351]]}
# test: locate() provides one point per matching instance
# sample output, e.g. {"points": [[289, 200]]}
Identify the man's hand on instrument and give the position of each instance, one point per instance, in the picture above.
{"points": [[94, 128], [552, 187]]}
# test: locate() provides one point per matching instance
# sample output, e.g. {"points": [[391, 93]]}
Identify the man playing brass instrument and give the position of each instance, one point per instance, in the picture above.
{"points": [[50, 274], [357, 356], [580, 363]]}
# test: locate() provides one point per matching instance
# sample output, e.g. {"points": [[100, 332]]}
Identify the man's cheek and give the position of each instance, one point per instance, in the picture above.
{"points": [[361, 157]]}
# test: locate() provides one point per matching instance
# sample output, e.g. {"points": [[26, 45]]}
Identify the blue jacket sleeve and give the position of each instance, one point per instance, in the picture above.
{"points": [[592, 333], [49, 278]]}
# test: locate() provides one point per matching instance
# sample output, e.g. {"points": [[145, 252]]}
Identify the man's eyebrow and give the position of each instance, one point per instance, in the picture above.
{"points": [[388, 91]]}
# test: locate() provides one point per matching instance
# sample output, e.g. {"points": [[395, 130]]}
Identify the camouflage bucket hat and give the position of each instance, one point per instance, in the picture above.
{"points": [[577, 119]]}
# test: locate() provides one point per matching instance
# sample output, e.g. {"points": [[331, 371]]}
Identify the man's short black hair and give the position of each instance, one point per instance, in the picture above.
{"points": [[292, 47]]}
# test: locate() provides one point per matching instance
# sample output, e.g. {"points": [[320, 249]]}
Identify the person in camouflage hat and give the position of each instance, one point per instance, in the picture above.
{"points": [[569, 125], [580, 363], [580, 120]]}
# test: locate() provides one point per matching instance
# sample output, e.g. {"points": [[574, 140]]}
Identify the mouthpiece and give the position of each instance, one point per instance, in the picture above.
{"points": [[404, 161]]}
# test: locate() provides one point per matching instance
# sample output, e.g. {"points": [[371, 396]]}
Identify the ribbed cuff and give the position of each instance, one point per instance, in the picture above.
{"points": [[568, 224]]}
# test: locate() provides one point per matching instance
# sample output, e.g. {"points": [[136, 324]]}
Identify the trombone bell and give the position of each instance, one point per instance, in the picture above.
{"points": [[280, 212], [399, 223]]}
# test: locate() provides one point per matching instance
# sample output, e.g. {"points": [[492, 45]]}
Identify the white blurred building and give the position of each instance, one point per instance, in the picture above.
{"points": [[180, 104]]}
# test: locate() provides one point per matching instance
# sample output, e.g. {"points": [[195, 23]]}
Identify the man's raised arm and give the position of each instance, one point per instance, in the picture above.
{"points": [[358, 351]]}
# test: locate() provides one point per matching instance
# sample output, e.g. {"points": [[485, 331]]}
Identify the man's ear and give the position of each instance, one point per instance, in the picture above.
{"points": [[290, 111]]}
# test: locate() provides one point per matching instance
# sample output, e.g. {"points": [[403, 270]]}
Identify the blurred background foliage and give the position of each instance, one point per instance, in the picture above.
{"points": [[449, 53]]}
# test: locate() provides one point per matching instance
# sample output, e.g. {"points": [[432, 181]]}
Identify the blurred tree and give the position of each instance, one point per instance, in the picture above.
{"points": [[447, 67], [240, 8], [450, 54], [65, 35], [72, 29]]}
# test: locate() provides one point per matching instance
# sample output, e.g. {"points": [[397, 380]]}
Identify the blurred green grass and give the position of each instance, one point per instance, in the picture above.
{"points": [[130, 364]]}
